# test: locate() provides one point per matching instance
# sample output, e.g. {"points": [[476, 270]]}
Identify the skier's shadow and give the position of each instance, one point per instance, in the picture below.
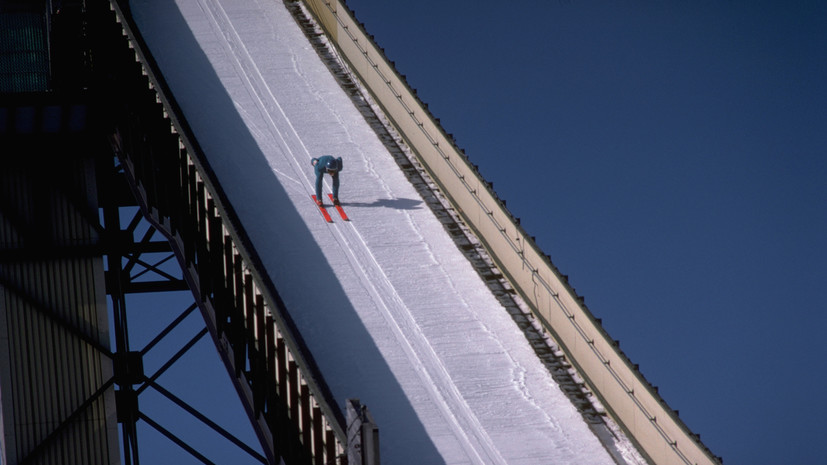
{"points": [[397, 204]]}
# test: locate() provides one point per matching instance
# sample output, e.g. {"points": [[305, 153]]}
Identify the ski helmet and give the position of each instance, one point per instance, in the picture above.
{"points": [[332, 166]]}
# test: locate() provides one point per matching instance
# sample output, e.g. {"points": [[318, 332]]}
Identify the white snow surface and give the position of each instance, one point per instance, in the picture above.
{"points": [[391, 310]]}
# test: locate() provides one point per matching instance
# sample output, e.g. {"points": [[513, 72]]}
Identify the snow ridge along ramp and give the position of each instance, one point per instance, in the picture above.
{"points": [[392, 311]]}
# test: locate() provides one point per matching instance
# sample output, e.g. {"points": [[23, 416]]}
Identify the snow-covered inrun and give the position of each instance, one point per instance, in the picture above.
{"points": [[393, 313]]}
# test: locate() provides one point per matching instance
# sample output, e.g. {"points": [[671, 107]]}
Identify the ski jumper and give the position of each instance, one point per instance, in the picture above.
{"points": [[332, 166]]}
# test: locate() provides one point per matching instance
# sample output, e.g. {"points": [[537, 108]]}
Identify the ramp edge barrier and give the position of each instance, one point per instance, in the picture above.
{"points": [[321, 420], [631, 400]]}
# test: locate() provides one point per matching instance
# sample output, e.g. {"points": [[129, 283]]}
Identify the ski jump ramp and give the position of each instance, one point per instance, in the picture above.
{"points": [[392, 310]]}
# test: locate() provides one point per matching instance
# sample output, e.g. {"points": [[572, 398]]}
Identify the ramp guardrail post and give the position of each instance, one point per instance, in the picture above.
{"points": [[362, 435]]}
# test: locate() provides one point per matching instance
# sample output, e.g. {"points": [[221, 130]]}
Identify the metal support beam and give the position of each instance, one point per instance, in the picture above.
{"points": [[131, 248], [215, 427]]}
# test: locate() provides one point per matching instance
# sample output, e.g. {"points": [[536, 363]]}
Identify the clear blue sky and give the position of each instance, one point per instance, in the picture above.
{"points": [[671, 157]]}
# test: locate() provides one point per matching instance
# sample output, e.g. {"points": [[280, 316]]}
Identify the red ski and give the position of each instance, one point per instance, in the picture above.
{"points": [[339, 209], [322, 209]]}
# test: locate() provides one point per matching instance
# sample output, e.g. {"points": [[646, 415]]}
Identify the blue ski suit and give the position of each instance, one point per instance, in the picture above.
{"points": [[332, 166]]}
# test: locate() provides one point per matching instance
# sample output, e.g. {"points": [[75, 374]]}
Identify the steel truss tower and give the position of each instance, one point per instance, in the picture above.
{"points": [[103, 192]]}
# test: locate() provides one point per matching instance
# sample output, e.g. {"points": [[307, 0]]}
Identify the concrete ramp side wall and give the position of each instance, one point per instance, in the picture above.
{"points": [[628, 396]]}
